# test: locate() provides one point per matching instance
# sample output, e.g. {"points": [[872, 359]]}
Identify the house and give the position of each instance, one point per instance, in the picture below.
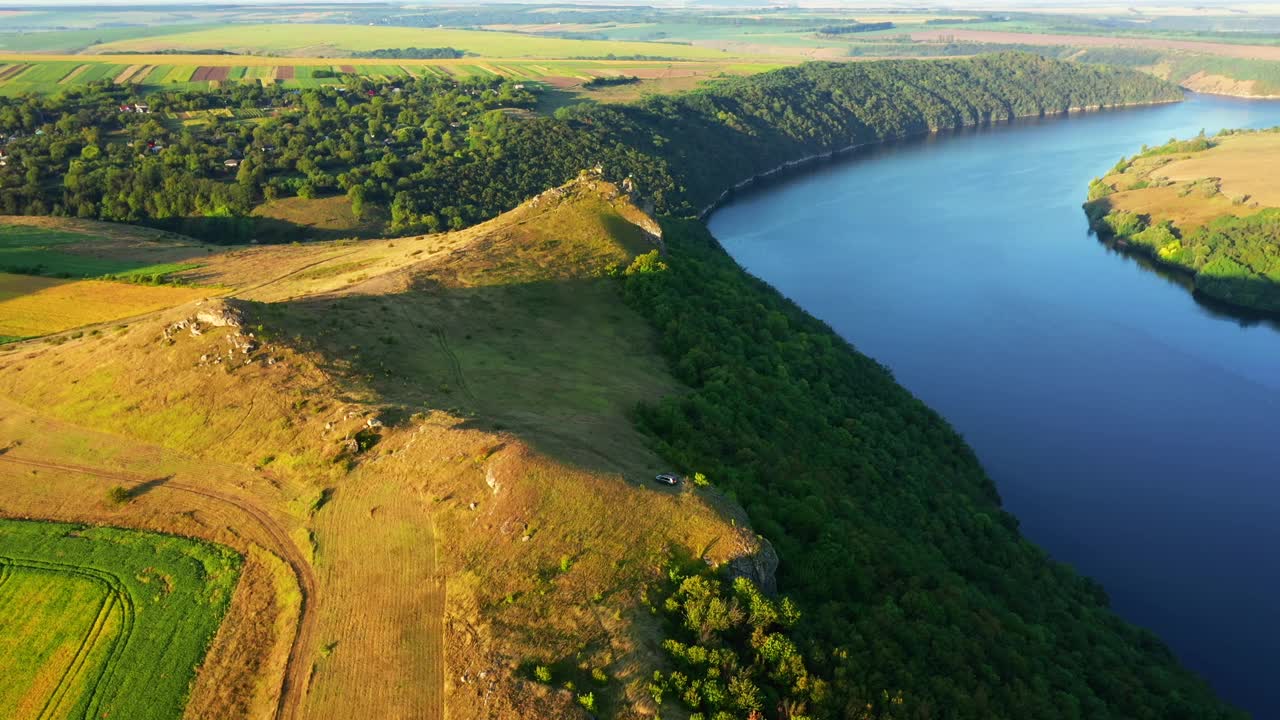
{"points": [[231, 163], [139, 107]]}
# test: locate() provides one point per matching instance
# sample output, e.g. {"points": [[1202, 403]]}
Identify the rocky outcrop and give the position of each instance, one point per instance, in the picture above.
{"points": [[759, 564]]}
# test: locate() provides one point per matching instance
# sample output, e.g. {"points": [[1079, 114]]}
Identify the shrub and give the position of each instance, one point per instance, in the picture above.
{"points": [[542, 673], [118, 495], [649, 262], [1122, 223]]}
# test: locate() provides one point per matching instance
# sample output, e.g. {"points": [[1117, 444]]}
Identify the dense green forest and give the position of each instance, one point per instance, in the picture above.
{"points": [[918, 597], [440, 154]]}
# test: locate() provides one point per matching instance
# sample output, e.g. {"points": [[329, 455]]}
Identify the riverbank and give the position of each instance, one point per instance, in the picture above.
{"points": [[1207, 207], [1071, 370], [814, 158]]}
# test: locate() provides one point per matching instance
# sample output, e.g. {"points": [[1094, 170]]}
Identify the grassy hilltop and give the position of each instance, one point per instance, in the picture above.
{"points": [[1206, 207], [434, 451], [455, 405]]}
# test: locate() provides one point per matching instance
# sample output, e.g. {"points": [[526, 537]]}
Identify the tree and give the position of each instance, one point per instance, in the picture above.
{"points": [[356, 196]]}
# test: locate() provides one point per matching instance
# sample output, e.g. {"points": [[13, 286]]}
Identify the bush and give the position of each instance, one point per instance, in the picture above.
{"points": [[1124, 224], [542, 673], [118, 495], [649, 262]]}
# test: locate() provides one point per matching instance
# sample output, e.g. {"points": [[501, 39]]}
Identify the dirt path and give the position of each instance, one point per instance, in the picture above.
{"points": [[297, 672], [1257, 52], [455, 365], [240, 292]]}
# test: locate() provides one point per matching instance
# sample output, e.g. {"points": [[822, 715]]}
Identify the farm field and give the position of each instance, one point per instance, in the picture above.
{"points": [[1255, 52], [104, 622], [32, 306], [67, 248], [41, 74], [336, 40]]}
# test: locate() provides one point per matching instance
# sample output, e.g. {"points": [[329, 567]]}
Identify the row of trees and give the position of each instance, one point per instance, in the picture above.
{"points": [[439, 154]]}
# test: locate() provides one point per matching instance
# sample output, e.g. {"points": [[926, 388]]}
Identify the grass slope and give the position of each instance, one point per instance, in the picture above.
{"points": [[456, 407]]}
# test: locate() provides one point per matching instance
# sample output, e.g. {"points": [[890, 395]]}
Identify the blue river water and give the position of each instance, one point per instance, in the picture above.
{"points": [[1133, 431]]}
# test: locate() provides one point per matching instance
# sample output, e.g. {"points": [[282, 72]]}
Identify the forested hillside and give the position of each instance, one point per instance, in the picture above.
{"points": [[745, 126], [918, 596], [438, 153]]}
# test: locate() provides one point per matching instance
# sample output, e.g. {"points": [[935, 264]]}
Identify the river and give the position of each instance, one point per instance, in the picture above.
{"points": [[1134, 432]]}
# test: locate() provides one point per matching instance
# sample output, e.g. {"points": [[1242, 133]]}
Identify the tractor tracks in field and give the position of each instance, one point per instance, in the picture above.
{"points": [[297, 670], [454, 365]]}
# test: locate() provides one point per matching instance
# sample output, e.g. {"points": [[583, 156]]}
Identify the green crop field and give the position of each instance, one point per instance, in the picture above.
{"points": [[105, 623], [44, 251], [313, 40], [176, 74]]}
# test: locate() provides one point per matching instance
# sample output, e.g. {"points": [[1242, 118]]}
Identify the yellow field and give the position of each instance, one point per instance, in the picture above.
{"points": [[1245, 163], [31, 306], [312, 40], [1234, 177]]}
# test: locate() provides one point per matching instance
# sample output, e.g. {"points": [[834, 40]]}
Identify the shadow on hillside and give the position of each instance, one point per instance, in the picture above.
{"points": [[258, 229], [560, 364]]}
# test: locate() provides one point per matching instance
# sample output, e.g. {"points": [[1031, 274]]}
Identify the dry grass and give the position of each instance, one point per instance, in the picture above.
{"points": [[480, 530], [1235, 177], [1168, 203], [1245, 163], [324, 218]]}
